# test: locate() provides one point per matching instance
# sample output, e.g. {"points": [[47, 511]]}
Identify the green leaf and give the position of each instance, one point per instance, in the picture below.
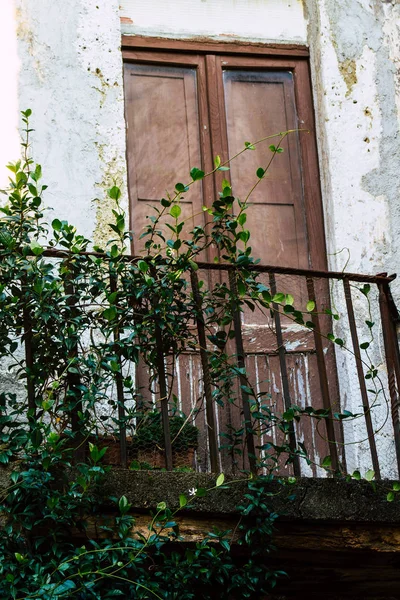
{"points": [[272, 148], [32, 189], [193, 265], [114, 193], [223, 168], [196, 174], [288, 415], [390, 497], [260, 172], [95, 453], [288, 309], [161, 506], [63, 587], [36, 438], [114, 364], [364, 345], [327, 462], [110, 313], [120, 223], [244, 236], [241, 286], [143, 266], [396, 486], [123, 505], [266, 296], [278, 298], [57, 225], [175, 211], [242, 218], [38, 173], [365, 289], [339, 342], [180, 187], [182, 501], [356, 475], [289, 299], [36, 248], [217, 161], [369, 475], [249, 146], [201, 492], [310, 306], [220, 480], [6, 239]]}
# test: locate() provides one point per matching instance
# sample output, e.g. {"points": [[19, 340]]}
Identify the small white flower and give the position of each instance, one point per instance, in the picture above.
{"points": [[192, 491]]}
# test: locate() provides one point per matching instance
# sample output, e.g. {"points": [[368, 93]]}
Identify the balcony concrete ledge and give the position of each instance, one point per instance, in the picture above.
{"points": [[325, 500], [336, 539]]}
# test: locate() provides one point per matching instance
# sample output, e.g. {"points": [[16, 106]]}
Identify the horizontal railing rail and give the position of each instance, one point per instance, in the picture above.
{"points": [[361, 278]]}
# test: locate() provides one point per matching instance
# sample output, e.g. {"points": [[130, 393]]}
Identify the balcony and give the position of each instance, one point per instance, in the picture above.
{"points": [[298, 380], [169, 377]]}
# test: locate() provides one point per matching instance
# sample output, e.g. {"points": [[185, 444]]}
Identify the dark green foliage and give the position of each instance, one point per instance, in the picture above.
{"points": [[87, 318], [150, 432], [46, 550]]}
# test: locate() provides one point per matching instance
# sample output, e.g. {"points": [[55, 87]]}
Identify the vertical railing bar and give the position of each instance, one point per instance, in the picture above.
{"points": [[29, 362], [243, 382], [120, 386], [394, 317], [323, 377], [388, 332], [162, 382], [73, 378], [361, 378], [396, 350], [210, 414], [284, 375]]}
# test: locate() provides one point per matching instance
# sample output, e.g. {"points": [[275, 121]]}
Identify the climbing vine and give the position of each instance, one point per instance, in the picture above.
{"points": [[75, 321]]}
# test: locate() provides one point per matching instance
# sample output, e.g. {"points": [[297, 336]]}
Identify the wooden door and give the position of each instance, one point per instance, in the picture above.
{"points": [[167, 135], [257, 97], [183, 109], [163, 140]]}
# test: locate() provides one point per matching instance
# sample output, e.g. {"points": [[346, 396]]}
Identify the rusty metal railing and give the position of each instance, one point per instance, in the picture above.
{"points": [[316, 286]]}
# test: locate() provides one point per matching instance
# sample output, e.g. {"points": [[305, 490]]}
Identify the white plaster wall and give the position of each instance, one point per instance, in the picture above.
{"points": [[258, 20], [64, 62], [355, 60], [71, 77], [9, 69]]}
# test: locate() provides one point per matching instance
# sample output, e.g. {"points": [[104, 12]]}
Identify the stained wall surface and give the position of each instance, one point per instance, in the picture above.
{"points": [[63, 61]]}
